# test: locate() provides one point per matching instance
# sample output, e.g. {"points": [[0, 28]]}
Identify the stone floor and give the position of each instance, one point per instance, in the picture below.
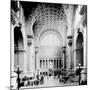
{"points": [[51, 82]]}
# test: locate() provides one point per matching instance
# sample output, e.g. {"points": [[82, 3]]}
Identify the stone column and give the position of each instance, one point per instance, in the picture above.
{"points": [[48, 63], [58, 63], [74, 47], [37, 61], [12, 51], [64, 56], [31, 60], [55, 64], [45, 64], [85, 48], [70, 13], [41, 64], [70, 53]]}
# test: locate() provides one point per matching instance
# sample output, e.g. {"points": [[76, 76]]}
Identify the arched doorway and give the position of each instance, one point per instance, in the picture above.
{"points": [[79, 49], [50, 51], [18, 48]]}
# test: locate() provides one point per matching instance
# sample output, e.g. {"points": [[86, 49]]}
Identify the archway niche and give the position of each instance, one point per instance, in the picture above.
{"points": [[18, 48], [50, 50], [79, 49]]}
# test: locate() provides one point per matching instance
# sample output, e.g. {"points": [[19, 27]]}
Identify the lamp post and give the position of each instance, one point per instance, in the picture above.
{"points": [[79, 74], [18, 72]]}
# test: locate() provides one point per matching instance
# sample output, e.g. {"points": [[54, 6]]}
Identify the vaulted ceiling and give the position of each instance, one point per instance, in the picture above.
{"points": [[47, 14], [42, 15]]}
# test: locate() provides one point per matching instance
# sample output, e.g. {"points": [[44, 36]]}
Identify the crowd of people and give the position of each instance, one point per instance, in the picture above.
{"points": [[62, 75], [38, 79]]}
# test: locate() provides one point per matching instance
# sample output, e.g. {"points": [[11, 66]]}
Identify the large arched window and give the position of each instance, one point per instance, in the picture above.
{"points": [[50, 40], [18, 48]]}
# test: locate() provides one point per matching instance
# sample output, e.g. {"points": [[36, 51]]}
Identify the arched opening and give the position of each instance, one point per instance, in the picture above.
{"points": [[79, 49], [50, 52], [18, 48]]}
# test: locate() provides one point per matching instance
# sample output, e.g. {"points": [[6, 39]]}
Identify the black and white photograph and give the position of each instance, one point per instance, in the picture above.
{"points": [[48, 44]]}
